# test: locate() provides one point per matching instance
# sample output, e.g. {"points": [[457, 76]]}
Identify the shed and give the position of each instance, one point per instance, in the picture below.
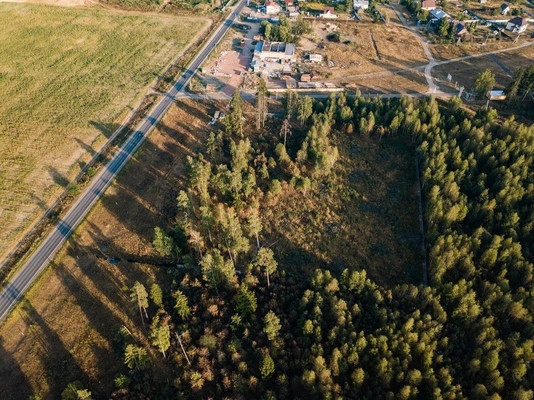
{"points": [[496, 95], [438, 14], [315, 58], [360, 4]]}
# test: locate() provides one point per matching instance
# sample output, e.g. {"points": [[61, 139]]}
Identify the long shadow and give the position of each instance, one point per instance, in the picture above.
{"points": [[13, 381], [148, 186], [58, 177], [60, 365], [86, 147], [118, 262], [107, 128], [102, 319], [40, 202]]}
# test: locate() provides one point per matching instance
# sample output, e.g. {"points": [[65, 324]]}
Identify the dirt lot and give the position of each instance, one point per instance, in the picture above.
{"points": [[42, 346]]}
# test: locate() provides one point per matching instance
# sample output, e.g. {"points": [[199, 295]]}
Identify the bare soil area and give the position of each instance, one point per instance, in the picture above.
{"points": [[365, 48]]}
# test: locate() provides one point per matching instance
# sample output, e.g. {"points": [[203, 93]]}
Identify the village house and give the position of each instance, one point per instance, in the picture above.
{"points": [[272, 8], [292, 11], [505, 9], [428, 5], [517, 25], [328, 13], [360, 5], [289, 3], [438, 14], [461, 31], [272, 52]]}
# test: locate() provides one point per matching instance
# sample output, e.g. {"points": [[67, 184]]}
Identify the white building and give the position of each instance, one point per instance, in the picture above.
{"points": [[328, 13], [517, 25], [272, 8], [360, 4], [272, 52]]}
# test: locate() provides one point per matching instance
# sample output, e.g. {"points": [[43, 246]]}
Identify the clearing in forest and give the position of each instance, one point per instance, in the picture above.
{"points": [[366, 217], [69, 77]]}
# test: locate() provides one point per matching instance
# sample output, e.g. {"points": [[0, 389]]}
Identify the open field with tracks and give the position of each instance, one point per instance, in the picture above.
{"points": [[69, 77]]}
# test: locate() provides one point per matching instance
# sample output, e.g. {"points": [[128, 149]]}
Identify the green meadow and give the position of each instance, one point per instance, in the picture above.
{"points": [[68, 77]]}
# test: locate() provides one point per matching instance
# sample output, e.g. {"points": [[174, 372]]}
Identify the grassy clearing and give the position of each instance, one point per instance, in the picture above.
{"points": [[68, 76], [464, 71], [365, 218]]}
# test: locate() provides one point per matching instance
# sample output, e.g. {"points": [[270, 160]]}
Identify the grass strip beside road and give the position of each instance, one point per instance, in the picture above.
{"points": [[68, 77]]}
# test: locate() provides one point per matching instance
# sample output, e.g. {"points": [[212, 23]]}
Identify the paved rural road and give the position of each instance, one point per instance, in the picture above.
{"points": [[21, 281]]}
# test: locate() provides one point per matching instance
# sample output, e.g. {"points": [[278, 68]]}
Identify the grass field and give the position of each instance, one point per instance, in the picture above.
{"points": [[68, 77], [50, 341]]}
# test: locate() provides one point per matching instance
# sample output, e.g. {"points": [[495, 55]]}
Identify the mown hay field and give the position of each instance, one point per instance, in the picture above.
{"points": [[68, 78]]}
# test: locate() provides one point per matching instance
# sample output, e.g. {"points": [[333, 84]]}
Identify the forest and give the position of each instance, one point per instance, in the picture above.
{"points": [[240, 319]]}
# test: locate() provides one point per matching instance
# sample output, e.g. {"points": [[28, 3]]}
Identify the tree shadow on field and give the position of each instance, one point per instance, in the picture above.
{"points": [[146, 190], [58, 177], [135, 211], [13, 381], [60, 367], [40, 202], [101, 318], [178, 128], [117, 265], [85, 147], [107, 128]]}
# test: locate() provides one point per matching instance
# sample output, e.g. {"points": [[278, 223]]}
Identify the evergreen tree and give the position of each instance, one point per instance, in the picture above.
{"points": [[162, 242], [136, 358], [181, 306], [160, 336], [484, 82], [271, 325], [139, 296]]}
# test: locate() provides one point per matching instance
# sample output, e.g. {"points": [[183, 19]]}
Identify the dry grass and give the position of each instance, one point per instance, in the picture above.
{"points": [[368, 48], [442, 52], [66, 328], [68, 77], [365, 218], [463, 72]]}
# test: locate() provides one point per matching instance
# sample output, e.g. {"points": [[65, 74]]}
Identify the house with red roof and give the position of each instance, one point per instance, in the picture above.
{"points": [[272, 8], [328, 13]]}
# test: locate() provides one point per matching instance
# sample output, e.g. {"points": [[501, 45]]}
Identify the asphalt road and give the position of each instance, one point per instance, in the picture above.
{"points": [[22, 280]]}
